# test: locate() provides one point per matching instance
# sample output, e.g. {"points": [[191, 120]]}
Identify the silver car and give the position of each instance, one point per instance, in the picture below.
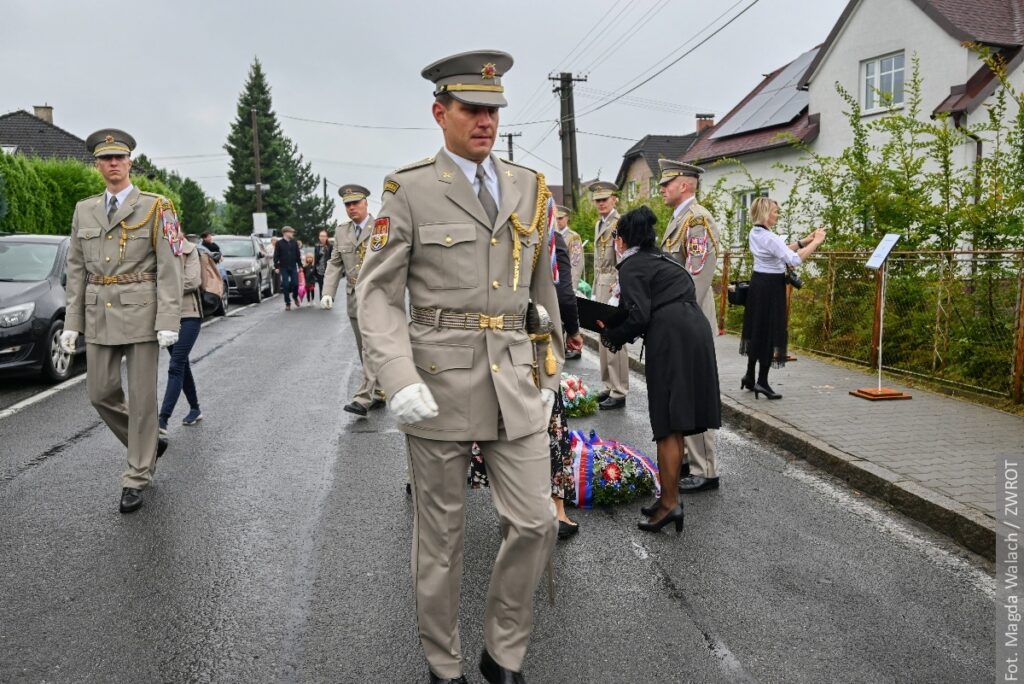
{"points": [[249, 275]]}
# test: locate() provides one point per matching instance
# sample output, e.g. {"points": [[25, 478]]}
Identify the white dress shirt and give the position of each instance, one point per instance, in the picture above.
{"points": [[121, 197], [468, 167], [360, 227], [682, 207], [771, 253]]}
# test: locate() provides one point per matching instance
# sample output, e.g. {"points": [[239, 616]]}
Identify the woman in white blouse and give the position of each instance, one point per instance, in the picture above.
{"points": [[764, 320]]}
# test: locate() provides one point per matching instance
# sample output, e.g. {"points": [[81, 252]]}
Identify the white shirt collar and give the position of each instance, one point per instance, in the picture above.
{"points": [[121, 196], [682, 207], [362, 225], [468, 167]]}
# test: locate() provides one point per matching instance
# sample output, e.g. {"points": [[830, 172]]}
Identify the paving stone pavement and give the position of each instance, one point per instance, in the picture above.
{"points": [[933, 448]]}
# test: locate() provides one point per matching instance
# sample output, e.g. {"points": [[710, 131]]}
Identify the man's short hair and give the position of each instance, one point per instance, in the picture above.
{"points": [[206, 235]]}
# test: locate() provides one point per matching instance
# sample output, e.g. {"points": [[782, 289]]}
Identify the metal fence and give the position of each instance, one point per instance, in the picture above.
{"points": [[953, 317]]}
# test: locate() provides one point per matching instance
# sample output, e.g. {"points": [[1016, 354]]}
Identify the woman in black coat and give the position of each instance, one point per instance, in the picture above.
{"points": [[659, 302]]}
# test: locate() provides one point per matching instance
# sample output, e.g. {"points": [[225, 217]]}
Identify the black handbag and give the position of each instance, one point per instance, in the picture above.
{"points": [[737, 293], [793, 279]]}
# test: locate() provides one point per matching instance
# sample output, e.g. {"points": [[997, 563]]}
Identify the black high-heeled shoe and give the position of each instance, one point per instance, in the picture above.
{"points": [[746, 382], [648, 511], [675, 516], [766, 391]]}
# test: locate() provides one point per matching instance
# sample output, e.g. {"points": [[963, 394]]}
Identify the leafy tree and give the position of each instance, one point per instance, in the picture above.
{"points": [[194, 209]]}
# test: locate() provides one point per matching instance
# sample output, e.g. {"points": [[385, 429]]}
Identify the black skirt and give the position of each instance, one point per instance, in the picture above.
{"points": [[764, 319], [681, 371]]}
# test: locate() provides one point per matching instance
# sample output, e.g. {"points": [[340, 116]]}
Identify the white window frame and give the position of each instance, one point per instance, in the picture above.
{"points": [[9, 149], [871, 82], [632, 190]]}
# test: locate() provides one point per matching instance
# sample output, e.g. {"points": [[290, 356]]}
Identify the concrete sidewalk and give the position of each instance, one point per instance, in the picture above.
{"points": [[933, 457]]}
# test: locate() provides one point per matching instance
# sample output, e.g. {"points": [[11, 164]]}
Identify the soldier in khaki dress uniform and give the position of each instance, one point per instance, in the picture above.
{"points": [[614, 367], [466, 234], [350, 242], [124, 293], [691, 238]]}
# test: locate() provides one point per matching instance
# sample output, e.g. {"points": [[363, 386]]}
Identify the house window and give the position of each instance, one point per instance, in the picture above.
{"points": [[653, 188], [743, 199], [632, 190], [882, 79], [8, 149]]}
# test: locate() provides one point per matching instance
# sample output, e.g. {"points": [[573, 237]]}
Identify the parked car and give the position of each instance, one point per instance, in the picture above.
{"points": [[249, 274], [32, 302], [268, 249]]}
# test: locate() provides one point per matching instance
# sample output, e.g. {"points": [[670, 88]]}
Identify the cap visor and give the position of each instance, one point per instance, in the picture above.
{"points": [[480, 98]]}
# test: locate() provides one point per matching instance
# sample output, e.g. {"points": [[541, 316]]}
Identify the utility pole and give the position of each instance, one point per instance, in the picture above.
{"points": [[325, 190], [567, 133], [510, 136], [256, 161]]}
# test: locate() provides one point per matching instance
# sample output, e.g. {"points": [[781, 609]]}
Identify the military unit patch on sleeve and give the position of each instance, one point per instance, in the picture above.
{"points": [[391, 186], [379, 237]]}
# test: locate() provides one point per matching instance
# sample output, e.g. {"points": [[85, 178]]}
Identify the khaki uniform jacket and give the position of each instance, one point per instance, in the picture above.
{"points": [[604, 245], [674, 244], [441, 247], [121, 313], [346, 261], [574, 246]]}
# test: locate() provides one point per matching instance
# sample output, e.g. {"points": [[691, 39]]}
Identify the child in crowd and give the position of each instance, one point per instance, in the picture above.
{"points": [[309, 275]]}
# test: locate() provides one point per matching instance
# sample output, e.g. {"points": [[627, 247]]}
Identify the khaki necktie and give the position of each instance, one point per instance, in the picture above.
{"points": [[113, 208], [485, 197]]}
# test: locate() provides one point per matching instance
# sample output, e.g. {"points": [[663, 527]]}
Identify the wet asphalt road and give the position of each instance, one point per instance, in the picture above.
{"points": [[274, 547]]}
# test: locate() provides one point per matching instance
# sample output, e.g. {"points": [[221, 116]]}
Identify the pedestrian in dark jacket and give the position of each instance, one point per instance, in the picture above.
{"points": [[287, 260]]}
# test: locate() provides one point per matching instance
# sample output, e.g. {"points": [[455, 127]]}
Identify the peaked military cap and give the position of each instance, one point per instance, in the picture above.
{"points": [[110, 142], [603, 189], [353, 193], [670, 168], [561, 210], [473, 78]]}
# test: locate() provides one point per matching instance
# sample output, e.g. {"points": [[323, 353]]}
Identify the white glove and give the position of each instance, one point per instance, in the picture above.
{"points": [[165, 338], [548, 395], [327, 302], [413, 403], [68, 338]]}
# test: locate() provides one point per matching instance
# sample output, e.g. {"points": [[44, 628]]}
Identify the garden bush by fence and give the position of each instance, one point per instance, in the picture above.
{"points": [[39, 195], [952, 317]]}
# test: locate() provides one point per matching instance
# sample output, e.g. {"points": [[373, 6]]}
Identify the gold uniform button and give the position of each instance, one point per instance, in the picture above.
{"points": [[494, 367], [494, 241], [108, 258], [448, 240], [110, 237], [433, 366], [495, 284], [109, 305]]}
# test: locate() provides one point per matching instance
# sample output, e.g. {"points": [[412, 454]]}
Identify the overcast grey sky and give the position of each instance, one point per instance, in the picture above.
{"points": [[170, 73]]}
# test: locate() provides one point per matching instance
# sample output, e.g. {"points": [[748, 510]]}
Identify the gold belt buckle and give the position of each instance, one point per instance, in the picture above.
{"points": [[109, 280], [492, 322]]}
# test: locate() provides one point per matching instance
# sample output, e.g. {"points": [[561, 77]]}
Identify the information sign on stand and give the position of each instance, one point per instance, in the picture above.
{"points": [[878, 262]]}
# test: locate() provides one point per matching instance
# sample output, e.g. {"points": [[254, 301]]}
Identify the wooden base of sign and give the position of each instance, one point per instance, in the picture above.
{"points": [[884, 394]]}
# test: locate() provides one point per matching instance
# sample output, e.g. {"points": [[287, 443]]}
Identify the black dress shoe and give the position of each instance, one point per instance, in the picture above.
{"points": [[566, 530], [602, 395], [376, 404], [572, 355], [766, 391], [356, 408], [161, 446], [612, 403], [496, 674], [408, 489], [697, 483], [434, 679], [676, 516], [131, 500]]}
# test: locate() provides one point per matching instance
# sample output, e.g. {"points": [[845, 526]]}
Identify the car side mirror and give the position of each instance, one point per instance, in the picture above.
{"points": [[64, 279]]}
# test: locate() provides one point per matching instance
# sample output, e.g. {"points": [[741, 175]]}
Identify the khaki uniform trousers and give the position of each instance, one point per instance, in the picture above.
{"points": [[614, 367], [701, 450], [520, 475], [133, 422], [368, 389]]}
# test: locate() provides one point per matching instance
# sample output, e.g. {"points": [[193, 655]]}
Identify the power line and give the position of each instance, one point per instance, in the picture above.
{"points": [[363, 126], [629, 33], [193, 156], [605, 135], [586, 35], [609, 26], [528, 152], [666, 67]]}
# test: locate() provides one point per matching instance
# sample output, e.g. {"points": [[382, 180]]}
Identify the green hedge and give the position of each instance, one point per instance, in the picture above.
{"points": [[40, 194]]}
